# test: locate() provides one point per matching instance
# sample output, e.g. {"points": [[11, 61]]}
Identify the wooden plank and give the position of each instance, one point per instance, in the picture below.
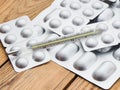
{"points": [[46, 77], [11, 9]]}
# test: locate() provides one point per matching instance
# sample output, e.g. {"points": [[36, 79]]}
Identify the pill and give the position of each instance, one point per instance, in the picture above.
{"points": [[116, 24], [5, 28], [105, 15], [75, 6], [65, 14], [97, 5], [78, 21], [67, 51], [104, 71], [20, 23], [64, 3], [26, 32], [10, 39], [85, 61], [21, 62], [55, 23], [85, 29], [16, 48], [88, 12], [104, 50], [39, 30], [91, 42], [116, 54], [102, 27], [85, 1], [67, 30], [38, 55], [107, 38], [31, 43]]}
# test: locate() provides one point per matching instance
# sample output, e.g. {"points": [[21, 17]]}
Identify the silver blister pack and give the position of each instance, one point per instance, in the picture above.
{"points": [[109, 37], [99, 67]]}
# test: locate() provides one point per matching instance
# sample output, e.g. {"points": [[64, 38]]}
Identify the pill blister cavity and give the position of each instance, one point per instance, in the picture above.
{"points": [[116, 24], [102, 27], [38, 55], [97, 5], [91, 42], [20, 23], [5, 28], [116, 54], [21, 62], [67, 30], [107, 38], [78, 21], [104, 50], [39, 30], [88, 12], [55, 23], [85, 61], [75, 6], [66, 52], [16, 48], [85, 1], [104, 71], [31, 43], [26, 33], [10, 39], [85, 29], [65, 14]]}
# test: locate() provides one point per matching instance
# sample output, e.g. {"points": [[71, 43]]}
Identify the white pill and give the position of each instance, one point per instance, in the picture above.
{"points": [[78, 21], [10, 39], [91, 42], [105, 15], [116, 54], [104, 71], [107, 39], [85, 29], [67, 30], [88, 12], [116, 24], [104, 50], [31, 43], [85, 61], [85, 1], [16, 48], [97, 5], [5, 28], [20, 23], [64, 3], [21, 62], [39, 30], [55, 23], [38, 55], [75, 6], [67, 51], [26, 33], [65, 14], [102, 27]]}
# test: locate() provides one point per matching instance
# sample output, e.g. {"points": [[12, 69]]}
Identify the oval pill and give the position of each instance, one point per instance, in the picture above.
{"points": [[10, 39], [67, 30], [104, 71], [107, 39], [88, 12], [116, 54], [39, 30], [102, 27], [78, 21], [67, 52], [21, 62], [20, 23], [31, 43], [91, 42], [55, 23], [65, 14], [26, 33], [97, 5], [75, 6], [116, 24], [5, 28], [85, 61]]}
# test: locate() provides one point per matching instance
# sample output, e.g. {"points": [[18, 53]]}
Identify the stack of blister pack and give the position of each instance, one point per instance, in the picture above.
{"points": [[96, 58]]}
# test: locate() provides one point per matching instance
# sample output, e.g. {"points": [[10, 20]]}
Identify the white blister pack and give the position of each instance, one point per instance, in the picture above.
{"points": [[100, 67], [69, 18], [108, 37]]}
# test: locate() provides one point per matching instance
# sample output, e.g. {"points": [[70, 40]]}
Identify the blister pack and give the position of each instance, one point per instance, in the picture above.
{"points": [[99, 67], [68, 16], [108, 37]]}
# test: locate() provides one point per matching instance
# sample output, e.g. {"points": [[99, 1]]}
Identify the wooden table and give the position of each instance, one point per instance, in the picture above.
{"points": [[46, 77]]}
